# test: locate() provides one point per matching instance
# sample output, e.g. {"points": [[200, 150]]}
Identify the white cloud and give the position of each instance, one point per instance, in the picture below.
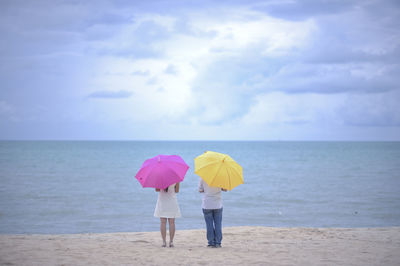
{"points": [[243, 68], [193, 90]]}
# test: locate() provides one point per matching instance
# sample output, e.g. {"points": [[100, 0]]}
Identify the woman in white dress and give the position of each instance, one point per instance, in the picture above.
{"points": [[167, 208]]}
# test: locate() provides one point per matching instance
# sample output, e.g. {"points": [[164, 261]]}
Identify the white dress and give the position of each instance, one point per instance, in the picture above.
{"points": [[167, 204]]}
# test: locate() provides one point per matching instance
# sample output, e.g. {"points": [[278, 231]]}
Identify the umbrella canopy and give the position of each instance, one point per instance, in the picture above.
{"points": [[218, 170], [162, 171]]}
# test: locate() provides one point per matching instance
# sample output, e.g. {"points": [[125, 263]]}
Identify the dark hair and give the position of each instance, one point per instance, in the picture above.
{"points": [[166, 190]]}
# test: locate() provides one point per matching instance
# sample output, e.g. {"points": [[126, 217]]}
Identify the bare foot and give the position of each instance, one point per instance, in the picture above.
{"points": [[171, 244]]}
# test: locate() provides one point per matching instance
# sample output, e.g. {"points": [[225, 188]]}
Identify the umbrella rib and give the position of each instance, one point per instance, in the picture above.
{"points": [[229, 178], [219, 169], [153, 173], [151, 170], [207, 165], [145, 179], [236, 171]]}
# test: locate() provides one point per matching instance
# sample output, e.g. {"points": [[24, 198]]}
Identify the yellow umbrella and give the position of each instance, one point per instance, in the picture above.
{"points": [[218, 170]]}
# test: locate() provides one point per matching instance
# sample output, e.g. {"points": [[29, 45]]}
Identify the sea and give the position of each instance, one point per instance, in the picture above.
{"points": [[63, 187]]}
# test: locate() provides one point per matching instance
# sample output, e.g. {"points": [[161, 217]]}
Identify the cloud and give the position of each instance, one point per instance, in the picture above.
{"points": [[300, 10], [110, 94], [238, 66], [341, 110], [171, 69], [335, 59], [8, 112], [301, 78], [249, 54], [229, 63], [140, 73], [279, 108], [138, 39], [378, 110], [5, 108]]}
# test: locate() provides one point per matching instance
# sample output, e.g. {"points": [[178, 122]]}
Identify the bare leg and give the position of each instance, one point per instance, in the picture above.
{"points": [[171, 231], [163, 230]]}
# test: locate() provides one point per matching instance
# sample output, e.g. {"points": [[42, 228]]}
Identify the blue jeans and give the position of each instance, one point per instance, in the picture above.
{"points": [[213, 218]]}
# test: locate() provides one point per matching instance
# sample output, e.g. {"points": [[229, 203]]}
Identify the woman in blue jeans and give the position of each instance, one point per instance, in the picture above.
{"points": [[212, 210]]}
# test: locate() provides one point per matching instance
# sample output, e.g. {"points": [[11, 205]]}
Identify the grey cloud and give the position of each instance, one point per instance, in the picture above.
{"points": [[47, 49], [353, 38], [133, 51], [116, 17], [42, 80], [100, 32], [171, 69], [47, 15], [303, 9], [36, 28], [385, 14], [300, 78], [110, 94], [140, 73], [384, 119], [39, 43], [297, 122], [83, 27], [345, 55], [379, 110], [152, 81], [7, 112], [248, 74], [149, 31], [183, 26], [338, 53], [139, 44]]}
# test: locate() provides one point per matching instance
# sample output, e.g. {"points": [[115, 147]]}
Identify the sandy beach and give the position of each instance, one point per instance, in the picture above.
{"points": [[241, 246]]}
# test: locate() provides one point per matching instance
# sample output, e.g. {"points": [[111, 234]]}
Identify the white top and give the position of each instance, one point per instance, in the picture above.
{"points": [[167, 204], [212, 198]]}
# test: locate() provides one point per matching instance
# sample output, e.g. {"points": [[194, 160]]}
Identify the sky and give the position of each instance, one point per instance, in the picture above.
{"points": [[200, 70]]}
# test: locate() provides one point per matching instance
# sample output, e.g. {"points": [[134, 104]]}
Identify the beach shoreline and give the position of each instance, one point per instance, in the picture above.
{"points": [[244, 245]]}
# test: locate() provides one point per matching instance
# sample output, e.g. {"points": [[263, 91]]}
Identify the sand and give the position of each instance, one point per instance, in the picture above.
{"points": [[241, 246]]}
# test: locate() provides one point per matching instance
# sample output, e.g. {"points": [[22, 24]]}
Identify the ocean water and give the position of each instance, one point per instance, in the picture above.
{"points": [[89, 186]]}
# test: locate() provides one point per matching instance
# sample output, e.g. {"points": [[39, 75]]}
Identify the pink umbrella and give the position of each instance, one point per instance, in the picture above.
{"points": [[162, 171]]}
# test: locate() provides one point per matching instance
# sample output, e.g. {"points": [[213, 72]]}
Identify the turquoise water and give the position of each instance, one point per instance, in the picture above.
{"points": [[89, 186]]}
